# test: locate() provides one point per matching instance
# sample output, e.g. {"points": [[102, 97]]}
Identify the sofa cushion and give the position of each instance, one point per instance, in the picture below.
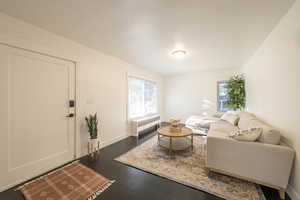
{"points": [[222, 126], [249, 135], [269, 134], [235, 112], [218, 134], [245, 120], [231, 118]]}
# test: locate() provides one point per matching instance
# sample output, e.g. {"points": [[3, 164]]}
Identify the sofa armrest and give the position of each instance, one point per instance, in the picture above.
{"points": [[265, 163]]}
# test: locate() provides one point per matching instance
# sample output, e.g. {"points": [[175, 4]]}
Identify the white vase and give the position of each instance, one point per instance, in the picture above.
{"points": [[93, 146]]}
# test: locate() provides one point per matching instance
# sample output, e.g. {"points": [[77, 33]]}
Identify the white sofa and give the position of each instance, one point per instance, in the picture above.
{"points": [[259, 161]]}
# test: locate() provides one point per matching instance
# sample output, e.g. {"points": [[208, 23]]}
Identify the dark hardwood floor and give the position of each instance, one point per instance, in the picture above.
{"points": [[135, 184]]}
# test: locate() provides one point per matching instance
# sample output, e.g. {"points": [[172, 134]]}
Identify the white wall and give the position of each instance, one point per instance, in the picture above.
{"points": [[272, 83], [193, 93], [101, 79]]}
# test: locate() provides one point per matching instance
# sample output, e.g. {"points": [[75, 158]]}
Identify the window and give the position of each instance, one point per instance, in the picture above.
{"points": [[142, 97], [222, 97]]}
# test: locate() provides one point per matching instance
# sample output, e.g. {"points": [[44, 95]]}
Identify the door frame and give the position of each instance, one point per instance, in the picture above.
{"points": [[75, 139]]}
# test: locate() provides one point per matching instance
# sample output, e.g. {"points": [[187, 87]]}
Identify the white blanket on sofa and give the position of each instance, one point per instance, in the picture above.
{"points": [[200, 122]]}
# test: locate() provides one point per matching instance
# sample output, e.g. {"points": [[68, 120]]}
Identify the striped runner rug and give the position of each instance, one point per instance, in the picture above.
{"points": [[71, 182]]}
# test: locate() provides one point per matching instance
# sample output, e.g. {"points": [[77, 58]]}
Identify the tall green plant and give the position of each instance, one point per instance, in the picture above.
{"points": [[92, 123], [236, 92]]}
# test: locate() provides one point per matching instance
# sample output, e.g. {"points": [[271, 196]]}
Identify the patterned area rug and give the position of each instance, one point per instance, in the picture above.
{"points": [[189, 169], [71, 182]]}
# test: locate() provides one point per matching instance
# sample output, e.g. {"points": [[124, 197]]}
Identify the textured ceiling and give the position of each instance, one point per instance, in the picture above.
{"points": [[217, 34]]}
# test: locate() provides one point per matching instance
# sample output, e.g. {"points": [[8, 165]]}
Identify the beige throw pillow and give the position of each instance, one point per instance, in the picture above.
{"points": [[249, 135], [269, 135], [245, 120], [231, 118]]}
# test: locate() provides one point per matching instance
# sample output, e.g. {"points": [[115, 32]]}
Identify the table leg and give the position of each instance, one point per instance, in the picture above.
{"points": [[192, 142], [170, 146]]}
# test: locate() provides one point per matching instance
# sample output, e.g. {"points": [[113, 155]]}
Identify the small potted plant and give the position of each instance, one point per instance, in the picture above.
{"points": [[92, 124]]}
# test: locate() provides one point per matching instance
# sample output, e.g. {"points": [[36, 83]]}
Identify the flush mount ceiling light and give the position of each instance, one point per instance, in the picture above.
{"points": [[179, 53]]}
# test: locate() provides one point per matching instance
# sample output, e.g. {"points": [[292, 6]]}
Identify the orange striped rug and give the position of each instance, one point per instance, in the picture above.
{"points": [[72, 182]]}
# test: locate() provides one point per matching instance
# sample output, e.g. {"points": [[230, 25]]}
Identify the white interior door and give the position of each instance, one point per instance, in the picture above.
{"points": [[35, 133]]}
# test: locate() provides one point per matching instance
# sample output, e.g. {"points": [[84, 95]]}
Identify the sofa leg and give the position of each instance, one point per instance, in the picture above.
{"points": [[282, 193]]}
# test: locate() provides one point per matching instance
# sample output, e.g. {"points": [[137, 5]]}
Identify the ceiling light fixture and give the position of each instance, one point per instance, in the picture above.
{"points": [[179, 53]]}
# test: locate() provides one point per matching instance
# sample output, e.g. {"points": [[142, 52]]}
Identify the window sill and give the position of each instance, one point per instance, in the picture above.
{"points": [[144, 117]]}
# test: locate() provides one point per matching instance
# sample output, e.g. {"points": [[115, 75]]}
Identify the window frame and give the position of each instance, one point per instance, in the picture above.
{"points": [[156, 99], [218, 96]]}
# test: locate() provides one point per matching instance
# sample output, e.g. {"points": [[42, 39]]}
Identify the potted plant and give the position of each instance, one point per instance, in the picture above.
{"points": [[236, 92], [92, 124]]}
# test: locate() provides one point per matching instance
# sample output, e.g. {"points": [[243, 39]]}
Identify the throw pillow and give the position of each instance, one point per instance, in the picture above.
{"points": [[218, 114], [269, 135], [249, 135], [231, 118], [245, 120]]}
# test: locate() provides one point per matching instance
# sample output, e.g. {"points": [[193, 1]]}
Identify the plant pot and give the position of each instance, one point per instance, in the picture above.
{"points": [[93, 146]]}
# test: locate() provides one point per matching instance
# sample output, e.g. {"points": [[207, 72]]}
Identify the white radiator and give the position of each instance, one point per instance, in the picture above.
{"points": [[141, 124]]}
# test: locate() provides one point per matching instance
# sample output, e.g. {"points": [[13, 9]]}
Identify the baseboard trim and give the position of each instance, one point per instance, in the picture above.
{"points": [[116, 139], [293, 194]]}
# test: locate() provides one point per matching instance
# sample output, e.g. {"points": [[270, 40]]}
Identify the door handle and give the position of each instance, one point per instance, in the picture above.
{"points": [[70, 115]]}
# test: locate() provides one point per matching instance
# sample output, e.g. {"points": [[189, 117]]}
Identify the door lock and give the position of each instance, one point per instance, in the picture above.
{"points": [[70, 115], [71, 103]]}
